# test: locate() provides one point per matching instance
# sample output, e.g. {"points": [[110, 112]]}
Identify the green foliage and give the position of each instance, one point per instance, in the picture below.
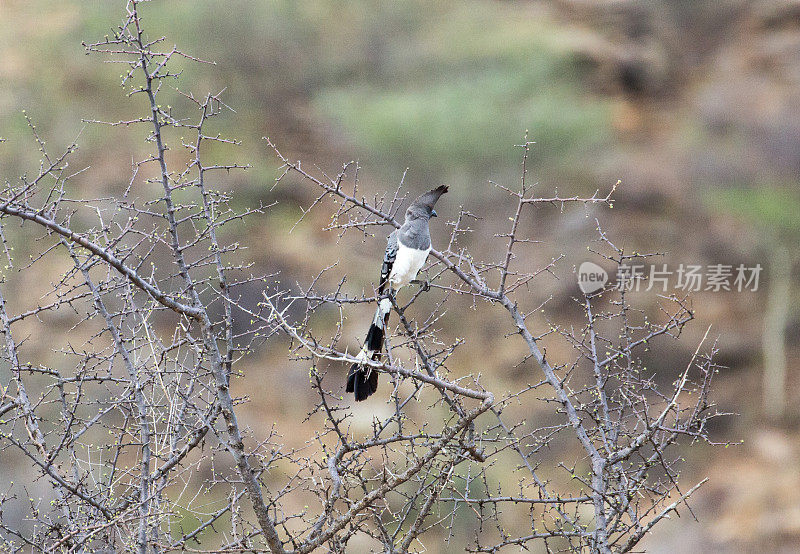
{"points": [[769, 208], [446, 88], [461, 92]]}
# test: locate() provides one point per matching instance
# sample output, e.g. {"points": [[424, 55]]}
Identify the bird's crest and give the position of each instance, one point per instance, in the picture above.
{"points": [[428, 200]]}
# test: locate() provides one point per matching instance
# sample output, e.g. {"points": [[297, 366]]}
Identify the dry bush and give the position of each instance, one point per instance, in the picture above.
{"points": [[134, 427]]}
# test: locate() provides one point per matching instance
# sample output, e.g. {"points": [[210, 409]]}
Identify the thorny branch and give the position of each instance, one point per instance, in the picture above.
{"points": [[611, 415], [132, 425]]}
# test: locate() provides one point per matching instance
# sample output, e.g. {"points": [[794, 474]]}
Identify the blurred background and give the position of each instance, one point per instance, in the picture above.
{"points": [[694, 105]]}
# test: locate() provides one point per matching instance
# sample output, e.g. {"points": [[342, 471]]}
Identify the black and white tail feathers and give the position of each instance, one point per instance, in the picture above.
{"points": [[363, 380]]}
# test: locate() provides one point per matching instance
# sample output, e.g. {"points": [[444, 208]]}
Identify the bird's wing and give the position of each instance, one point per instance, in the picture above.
{"points": [[388, 261]]}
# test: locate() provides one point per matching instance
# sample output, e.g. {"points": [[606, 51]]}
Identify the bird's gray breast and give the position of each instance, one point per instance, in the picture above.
{"points": [[415, 234]]}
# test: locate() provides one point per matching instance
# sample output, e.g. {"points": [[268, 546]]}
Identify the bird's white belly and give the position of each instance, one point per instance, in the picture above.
{"points": [[406, 265]]}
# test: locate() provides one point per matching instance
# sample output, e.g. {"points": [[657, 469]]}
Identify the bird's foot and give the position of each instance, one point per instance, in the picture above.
{"points": [[424, 285]]}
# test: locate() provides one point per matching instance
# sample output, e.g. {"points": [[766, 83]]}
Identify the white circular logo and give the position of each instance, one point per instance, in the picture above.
{"points": [[591, 277]]}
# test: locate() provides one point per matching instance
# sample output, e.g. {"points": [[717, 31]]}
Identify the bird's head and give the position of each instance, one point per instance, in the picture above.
{"points": [[422, 207]]}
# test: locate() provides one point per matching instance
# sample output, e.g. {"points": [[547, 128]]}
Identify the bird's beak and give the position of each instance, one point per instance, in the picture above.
{"points": [[434, 214]]}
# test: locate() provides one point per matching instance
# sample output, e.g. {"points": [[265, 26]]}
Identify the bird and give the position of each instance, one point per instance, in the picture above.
{"points": [[407, 248]]}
